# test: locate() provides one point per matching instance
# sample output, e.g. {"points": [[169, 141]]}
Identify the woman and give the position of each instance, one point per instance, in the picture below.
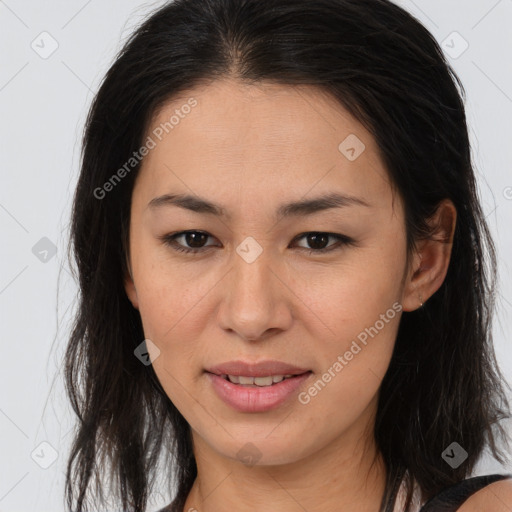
{"points": [[286, 277]]}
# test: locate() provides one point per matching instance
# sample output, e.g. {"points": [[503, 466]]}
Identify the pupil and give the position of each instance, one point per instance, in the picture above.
{"points": [[316, 237], [316, 240], [192, 238]]}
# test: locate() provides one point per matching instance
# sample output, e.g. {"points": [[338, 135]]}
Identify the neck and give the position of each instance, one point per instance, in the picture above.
{"points": [[347, 474]]}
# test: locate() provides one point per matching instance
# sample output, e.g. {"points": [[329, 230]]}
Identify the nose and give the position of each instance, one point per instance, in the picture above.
{"points": [[256, 300]]}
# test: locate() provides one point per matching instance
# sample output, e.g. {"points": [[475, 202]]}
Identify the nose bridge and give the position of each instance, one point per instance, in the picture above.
{"points": [[251, 282], [253, 302]]}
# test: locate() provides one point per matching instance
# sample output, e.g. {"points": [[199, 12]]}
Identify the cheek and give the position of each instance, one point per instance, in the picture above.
{"points": [[166, 292], [171, 310], [354, 362], [352, 296], [360, 306], [169, 307], [175, 308]]}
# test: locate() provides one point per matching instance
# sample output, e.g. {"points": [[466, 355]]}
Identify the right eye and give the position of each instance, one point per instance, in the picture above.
{"points": [[190, 237]]}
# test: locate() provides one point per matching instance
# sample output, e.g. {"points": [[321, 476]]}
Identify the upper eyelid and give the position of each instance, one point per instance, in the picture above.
{"points": [[181, 233], [339, 236]]}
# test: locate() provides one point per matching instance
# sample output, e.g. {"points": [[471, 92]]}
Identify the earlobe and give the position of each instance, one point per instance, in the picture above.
{"points": [[130, 289], [432, 258]]}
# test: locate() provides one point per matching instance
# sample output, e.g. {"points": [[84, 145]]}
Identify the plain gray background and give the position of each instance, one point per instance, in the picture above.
{"points": [[53, 56]]}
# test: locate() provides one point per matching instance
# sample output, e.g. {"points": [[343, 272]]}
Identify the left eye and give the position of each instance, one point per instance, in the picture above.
{"points": [[196, 239], [316, 238]]}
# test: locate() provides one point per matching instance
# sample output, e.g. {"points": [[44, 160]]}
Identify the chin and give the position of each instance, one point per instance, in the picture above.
{"points": [[261, 450]]}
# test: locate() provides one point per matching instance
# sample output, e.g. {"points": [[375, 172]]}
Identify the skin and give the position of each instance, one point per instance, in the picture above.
{"points": [[251, 148], [496, 497]]}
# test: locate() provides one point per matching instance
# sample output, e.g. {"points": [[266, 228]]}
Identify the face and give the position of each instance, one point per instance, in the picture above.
{"points": [[317, 285]]}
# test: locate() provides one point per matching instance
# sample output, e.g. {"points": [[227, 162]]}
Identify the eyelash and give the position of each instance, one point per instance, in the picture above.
{"points": [[343, 240]]}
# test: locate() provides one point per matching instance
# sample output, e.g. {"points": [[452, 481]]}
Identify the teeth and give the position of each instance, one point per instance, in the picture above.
{"points": [[245, 380], [256, 381]]}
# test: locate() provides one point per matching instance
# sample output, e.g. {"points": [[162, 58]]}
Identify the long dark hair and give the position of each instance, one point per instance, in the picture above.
{"points": [[443, 383]]}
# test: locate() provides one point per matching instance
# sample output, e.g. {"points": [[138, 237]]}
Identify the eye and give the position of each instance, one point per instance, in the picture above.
{"points": [[319, 240], [196, 239], [193, 238]]}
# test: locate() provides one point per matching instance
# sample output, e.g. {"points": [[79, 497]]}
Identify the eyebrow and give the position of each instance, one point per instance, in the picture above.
{"points": [[298, 208]]}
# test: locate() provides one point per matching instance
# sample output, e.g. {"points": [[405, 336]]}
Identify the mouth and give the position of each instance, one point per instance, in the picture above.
{"points": [[258, 382], [262, 371], [257, 394]]}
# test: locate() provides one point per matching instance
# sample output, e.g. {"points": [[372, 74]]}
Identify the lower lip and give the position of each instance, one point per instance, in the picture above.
{"points": [[256, 399]]}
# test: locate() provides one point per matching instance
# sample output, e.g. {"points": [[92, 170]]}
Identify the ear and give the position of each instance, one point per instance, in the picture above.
{"points": [[129, 287], [430, 261]]}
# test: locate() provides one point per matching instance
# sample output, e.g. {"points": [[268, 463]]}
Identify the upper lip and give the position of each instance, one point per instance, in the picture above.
{"points": [[261, 369]]}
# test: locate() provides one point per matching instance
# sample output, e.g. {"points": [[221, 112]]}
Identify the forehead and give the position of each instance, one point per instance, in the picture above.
{"points": [[260, 141]]}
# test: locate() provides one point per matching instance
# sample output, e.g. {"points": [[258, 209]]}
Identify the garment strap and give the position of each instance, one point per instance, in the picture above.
{"points": [[450, 499]]}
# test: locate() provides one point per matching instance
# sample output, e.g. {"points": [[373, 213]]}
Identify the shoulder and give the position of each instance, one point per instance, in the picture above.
{"points": [[495, 497]]}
